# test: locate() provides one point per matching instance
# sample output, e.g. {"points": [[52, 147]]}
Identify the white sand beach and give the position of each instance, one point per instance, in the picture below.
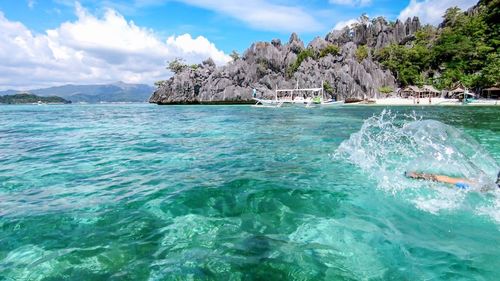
{"points": [[397, 101]]}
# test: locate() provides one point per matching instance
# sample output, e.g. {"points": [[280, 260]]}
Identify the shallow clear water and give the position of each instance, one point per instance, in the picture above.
{"points": [[144, 192]]}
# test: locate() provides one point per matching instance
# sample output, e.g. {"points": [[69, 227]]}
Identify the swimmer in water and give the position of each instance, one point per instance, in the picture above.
{"points": [[458, 182]]}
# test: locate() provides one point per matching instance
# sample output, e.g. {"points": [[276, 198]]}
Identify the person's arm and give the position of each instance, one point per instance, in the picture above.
{"points": [[437, 178], [450, 180]]}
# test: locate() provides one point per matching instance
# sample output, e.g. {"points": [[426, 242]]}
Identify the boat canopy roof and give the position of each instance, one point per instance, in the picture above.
{"points": [[299, 90]]}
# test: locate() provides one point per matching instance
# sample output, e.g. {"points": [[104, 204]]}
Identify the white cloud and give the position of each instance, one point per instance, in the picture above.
{"points": [[93, 50], [31, 4], [430, 11], [261, 14], [341, 24], [185, 44], [360, 3]]}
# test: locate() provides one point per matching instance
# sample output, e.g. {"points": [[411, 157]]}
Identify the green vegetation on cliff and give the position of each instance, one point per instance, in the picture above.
{"points": [[464, 50], [302, 56], [26, 98], [361, 53], [329, 50], [310, 53]]}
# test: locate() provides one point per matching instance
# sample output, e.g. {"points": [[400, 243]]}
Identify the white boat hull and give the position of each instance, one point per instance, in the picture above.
{"points": [[484, 102], [332, 103], [282, 102]]}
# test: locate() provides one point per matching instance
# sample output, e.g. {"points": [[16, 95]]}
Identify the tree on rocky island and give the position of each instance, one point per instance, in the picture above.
{"points": [[385, 89], [407, 64], [328, 88], [176, 65], [302, 56], [208, 62], [463, 49], [234, 55], [490, 74]]}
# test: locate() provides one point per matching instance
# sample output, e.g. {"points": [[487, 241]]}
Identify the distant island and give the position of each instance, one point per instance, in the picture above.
{"points": [[115, 92], [28, 98], [369, 59]]}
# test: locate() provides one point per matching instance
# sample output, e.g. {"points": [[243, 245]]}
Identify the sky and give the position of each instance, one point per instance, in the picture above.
{"points": [[54, 42]]}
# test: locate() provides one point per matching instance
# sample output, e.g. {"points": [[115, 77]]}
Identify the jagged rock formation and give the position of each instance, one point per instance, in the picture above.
{"points": [[377, 33], [265, 66]]}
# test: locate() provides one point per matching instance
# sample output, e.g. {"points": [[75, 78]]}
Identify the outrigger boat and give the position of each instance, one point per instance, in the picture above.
{"points": [[332, 102], [305, 96]]}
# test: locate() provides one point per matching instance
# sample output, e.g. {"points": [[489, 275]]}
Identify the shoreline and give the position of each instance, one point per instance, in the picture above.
{"points": [[425, 102], [369, 102]]}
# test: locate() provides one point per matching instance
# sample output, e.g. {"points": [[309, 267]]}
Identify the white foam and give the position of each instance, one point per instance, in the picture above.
{"points": [[389, 144]]}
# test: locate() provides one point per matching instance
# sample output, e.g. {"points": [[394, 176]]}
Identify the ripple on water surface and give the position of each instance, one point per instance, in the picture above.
{"points": [[142, 192]]}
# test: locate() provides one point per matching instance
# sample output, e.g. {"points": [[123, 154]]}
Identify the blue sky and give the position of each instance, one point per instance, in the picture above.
{"points": [[90, 41]]}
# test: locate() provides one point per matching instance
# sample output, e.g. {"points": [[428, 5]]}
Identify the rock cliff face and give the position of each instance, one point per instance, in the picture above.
{"points": [[265, 66], [376, 33]]}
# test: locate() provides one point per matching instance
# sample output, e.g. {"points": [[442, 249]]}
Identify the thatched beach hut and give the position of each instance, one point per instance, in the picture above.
{"points": [[411, 91], [491, 92], [430, 91], [461, 94], [456, 92]]}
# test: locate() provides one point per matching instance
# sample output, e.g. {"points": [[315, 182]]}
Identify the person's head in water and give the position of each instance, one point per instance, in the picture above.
{"points": [[498, 180]]}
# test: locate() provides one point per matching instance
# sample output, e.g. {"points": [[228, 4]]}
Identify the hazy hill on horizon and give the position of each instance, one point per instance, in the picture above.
{"points": [[115, 92]]}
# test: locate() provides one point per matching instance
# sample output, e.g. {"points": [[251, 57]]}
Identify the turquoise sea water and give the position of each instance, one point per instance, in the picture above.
{"points": [[144, 192]]}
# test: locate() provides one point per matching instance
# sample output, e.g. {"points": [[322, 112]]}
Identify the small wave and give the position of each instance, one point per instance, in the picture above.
{"points": [[389, 144]]}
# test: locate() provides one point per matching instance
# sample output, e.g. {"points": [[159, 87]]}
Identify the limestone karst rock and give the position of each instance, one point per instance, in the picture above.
{"points": [[264, 66]]}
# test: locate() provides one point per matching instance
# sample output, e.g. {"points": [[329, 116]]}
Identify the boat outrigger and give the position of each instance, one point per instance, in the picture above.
{"points": [[298, 96]]}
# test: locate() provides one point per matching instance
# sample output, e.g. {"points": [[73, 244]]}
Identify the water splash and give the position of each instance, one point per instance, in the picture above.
{"points": [[389, 144]]}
